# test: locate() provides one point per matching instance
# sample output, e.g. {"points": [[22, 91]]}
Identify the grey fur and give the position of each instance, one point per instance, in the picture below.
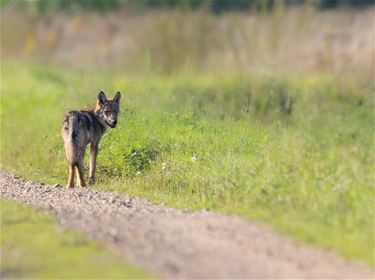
{"points": [[84, 127]]}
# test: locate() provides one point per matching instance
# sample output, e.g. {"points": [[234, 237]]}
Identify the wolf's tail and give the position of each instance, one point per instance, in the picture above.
{"points": [[72, 142]]}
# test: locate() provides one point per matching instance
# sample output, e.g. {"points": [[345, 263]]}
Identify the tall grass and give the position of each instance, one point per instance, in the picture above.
{"points": [[285, 41], [292, 151]]}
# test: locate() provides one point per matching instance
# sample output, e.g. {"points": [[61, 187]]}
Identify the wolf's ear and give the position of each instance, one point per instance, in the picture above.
{"points": [[117, 97], [101, 98]]}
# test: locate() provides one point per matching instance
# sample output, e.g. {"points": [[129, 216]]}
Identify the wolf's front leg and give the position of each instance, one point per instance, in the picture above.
{"points": [[93, 153]]}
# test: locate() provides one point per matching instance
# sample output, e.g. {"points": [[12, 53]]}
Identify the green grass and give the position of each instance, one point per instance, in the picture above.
{"points": [[33, 247], [293, 152]]}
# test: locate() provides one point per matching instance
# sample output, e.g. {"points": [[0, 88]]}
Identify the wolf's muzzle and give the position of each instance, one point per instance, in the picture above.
{"points": [[111, 124]]}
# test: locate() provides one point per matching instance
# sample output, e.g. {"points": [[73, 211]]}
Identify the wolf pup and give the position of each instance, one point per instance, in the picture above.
{"points": [[87, 126]]}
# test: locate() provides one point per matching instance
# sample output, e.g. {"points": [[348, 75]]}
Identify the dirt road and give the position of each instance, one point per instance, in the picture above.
{"points": [[180, 244]]}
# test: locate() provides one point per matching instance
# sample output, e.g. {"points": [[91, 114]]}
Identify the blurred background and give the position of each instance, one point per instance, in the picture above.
{"points": [[259, 108], [169, 36]]}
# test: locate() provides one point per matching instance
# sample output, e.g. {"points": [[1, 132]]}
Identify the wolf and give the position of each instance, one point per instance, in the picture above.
{"points": [[84, 127]]}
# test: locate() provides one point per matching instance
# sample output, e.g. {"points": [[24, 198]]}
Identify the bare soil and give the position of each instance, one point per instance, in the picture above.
{"points": [[181, 244]]}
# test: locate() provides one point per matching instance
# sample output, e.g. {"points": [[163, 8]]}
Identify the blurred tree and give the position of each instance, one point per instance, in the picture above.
{"points": [[330, 4], [43, 6], [216, 6]]}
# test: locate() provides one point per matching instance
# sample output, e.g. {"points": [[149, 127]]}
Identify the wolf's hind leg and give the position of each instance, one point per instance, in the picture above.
{"points": [[71, 176], [81, 179]]}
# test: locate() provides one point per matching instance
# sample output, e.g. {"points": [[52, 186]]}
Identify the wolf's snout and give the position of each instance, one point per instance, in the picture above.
{"points": [[112, 124]]}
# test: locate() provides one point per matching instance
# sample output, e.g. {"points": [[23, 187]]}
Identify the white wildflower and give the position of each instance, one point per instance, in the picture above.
{"points": [[193, 159]]}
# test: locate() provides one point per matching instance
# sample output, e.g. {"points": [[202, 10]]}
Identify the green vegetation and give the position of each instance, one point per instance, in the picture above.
{"points": [[292, 152], [33, 247]]}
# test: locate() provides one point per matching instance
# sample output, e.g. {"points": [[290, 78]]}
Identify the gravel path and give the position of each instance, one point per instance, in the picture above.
{"points": [[181, 244]]}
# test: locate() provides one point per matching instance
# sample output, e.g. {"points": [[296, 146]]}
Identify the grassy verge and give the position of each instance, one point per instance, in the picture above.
{"points": [[32, 247], [290, 151]]}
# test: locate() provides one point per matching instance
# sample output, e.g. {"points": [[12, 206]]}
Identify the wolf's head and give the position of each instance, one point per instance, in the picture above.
{"points": [[107, 110]]}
